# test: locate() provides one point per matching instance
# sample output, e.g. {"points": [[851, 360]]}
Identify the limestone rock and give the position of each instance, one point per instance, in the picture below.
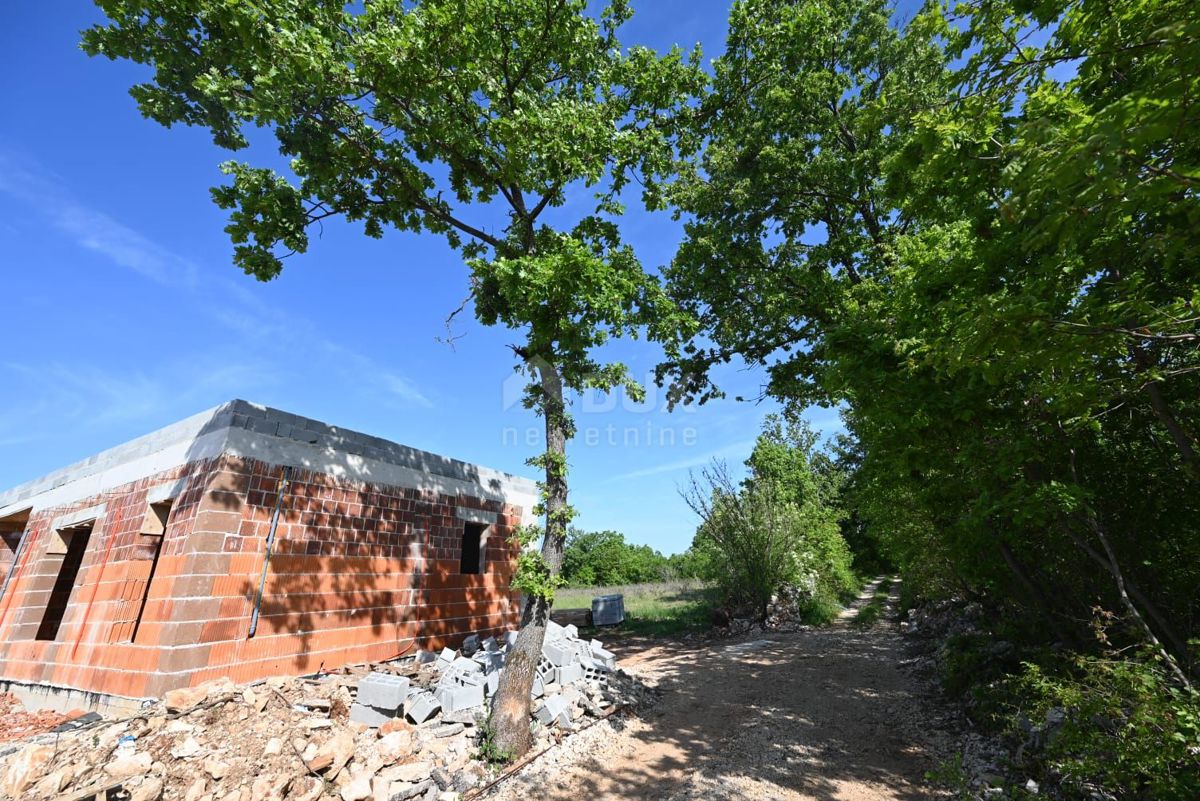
{"points": [[317, 723], [448, 730], [402, 791], [184, 698], [464, 781], [270, 788], [394, 725], [54, 782], [395, 746], [306, 788], [110, 735], [216, 768], [186, 749], [412, 772], [124, 767], [359, 788], [149, 790], [334, 754], [442, 778], [196, 790], [218, 687]]}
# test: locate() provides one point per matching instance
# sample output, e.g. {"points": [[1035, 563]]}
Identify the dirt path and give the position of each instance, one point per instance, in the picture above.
{"points": [[826, 714]]}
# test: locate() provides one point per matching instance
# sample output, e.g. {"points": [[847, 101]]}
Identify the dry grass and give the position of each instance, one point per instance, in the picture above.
{"points": [[662, 608]]}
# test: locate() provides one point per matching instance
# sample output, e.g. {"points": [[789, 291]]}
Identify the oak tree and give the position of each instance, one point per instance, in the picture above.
{"points": [[470, 119]]}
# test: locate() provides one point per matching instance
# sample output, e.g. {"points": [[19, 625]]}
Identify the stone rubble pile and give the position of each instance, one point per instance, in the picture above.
{"points": [[458, 685], [784, 613], [983, 762], [16, 723], [393, 731]]}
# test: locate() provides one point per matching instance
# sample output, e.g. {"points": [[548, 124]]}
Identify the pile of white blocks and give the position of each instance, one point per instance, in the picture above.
{"points": [[567, 660], [468, 678]]}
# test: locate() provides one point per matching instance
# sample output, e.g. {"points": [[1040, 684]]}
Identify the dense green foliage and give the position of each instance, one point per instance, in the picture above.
{"points": [[1114, 720], [995, 269], [977, 231], [594, 558], [779, 528], [1126, 724]]}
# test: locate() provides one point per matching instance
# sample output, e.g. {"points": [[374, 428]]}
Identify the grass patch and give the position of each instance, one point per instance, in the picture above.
{"points": [[869, 613], [819, 611], [662, 609]]}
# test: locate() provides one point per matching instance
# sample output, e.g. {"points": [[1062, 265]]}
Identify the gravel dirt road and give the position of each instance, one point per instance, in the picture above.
{"points": [[829, 714]]}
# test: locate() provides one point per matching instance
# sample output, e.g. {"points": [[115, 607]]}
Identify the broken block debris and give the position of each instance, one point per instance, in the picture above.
{"points": [[400, 729], [451, 685], [371, 716]]}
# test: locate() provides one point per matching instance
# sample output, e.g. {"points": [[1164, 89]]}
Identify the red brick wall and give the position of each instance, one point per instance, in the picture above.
{"points": [[344, 582], [91, 650]]}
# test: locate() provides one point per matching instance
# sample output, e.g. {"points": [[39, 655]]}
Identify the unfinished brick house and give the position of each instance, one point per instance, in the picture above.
{"points": [[246, 542]]}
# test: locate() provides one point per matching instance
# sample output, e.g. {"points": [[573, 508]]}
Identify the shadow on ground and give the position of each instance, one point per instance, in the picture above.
{"points": [[822, 714]]}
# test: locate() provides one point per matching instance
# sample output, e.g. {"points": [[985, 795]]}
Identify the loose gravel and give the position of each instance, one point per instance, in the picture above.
{"points": [[830, 714]]}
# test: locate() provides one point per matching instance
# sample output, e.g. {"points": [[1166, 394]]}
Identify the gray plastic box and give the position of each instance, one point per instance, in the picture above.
{"points": [[608, 610]]}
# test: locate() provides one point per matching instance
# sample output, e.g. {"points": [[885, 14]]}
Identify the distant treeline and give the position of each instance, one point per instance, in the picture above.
{"points": [[601, 558]]}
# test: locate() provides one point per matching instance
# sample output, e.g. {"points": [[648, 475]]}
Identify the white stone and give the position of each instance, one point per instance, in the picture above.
{"points": [[188, 748], [125, 767], [412, 772], [359, 788]]}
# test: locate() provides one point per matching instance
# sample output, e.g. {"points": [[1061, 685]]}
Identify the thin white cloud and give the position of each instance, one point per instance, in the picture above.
{"points": [[94, 230], [403, 389], [370, 371], [63, 393], [736, 449], [23, 439], [102, 234], [226, 301], [106, 397]]}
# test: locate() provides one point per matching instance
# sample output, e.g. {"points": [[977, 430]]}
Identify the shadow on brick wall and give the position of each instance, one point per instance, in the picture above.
{"points": [[333, 587]]}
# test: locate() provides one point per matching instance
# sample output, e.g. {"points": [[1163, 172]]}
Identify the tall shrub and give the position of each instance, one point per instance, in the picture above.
{"points": [[778, 527]]}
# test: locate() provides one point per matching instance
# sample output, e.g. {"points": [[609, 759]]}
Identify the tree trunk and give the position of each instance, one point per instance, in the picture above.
{"points": [[510, 710], [1178, 646], [1184, 442], [1119, 577]]}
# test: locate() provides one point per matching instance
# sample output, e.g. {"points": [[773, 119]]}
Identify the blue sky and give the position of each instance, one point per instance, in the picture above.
{"points": [[125, 314]]}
